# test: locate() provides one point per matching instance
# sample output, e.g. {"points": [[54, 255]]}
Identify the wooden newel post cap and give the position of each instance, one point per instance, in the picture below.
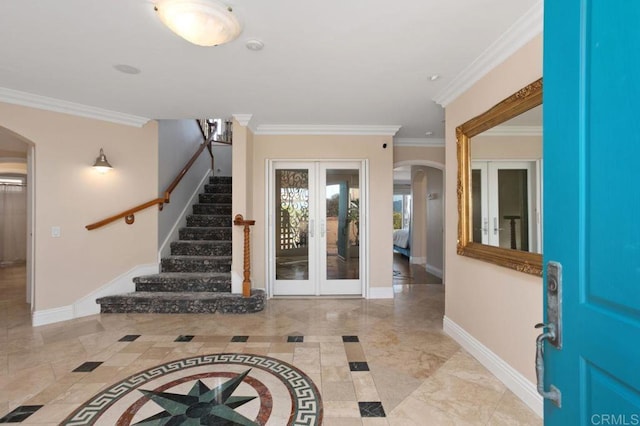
{"points": [[239, 220]]}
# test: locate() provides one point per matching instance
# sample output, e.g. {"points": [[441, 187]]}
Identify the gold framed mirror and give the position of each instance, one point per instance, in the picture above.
{"points": [[510, 236]]}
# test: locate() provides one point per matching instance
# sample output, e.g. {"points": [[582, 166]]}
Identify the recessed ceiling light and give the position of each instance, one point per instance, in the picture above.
{"points": [[255, 44], [429, 133], [127, 69], [434, 77]]}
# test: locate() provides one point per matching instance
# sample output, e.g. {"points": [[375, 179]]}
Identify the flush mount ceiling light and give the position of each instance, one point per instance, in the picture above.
{"points": [[201, 22]]}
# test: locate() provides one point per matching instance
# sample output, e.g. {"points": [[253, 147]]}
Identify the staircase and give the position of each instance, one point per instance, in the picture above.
{"points": [[196, 278]]}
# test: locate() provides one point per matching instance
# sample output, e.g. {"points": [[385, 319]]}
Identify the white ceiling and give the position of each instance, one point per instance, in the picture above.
{"points": [[329, 62]]}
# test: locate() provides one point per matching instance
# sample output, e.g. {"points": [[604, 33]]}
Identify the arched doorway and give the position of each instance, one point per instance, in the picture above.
{"points": [[16, 213], [419, 184]]}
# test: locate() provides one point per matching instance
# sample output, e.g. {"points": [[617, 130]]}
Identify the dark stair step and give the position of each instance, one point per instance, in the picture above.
{"points": [[216, 209], [184, 282], [218, 188], [196, 264], [226, 180], [214, 198], [208, 220], [187, 303], [201, 248], [205, 233]]}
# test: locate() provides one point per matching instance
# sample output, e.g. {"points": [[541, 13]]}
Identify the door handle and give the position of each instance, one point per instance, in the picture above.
{"points": [[495, 226], [553, 393], [311, 227], [553, 327], [322, 229]]}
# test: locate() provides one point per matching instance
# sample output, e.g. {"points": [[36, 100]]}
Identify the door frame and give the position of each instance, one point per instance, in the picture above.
{"points": [[270, 231]]}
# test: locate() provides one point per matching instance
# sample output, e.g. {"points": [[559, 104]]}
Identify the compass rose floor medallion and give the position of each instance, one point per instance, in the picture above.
{"points": [[217, 389]]}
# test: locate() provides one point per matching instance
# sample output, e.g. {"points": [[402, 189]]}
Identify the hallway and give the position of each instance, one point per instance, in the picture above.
{"points": [[366, 357]]}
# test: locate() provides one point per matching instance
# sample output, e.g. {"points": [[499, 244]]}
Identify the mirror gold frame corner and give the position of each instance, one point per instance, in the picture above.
{"points": [[521, 101]]}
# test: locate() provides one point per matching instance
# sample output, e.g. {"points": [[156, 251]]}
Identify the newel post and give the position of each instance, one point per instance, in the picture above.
{"points": [[246, 283]]}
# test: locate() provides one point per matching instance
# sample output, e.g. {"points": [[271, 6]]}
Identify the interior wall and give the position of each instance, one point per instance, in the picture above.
{"points": [[331, 147], [496, 305], [435, 221], [69, 194], [178, 140], [434, 154], [506, 147], [419, 229]]}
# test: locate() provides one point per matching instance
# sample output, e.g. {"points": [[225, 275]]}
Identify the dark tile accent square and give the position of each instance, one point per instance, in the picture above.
{"points": [[295, 339], [20, 413], [87, 367], [371, 409], [184, 338], [350, 339], [129, 338], [239, 338], [358, 366]]}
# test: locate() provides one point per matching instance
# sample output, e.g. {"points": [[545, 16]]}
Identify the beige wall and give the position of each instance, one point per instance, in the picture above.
{"points": [[70, 194], [316, 147], [413, 153], [496, 305], [506, 147]]}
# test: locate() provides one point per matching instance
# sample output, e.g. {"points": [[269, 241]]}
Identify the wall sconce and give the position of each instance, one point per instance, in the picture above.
{"points": [[101, 164], [201, 22]]}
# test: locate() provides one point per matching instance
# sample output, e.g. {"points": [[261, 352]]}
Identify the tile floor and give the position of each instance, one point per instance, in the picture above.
{"points": [[374, 362]]}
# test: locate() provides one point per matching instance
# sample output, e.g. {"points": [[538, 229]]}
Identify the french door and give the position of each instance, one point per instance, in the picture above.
{"points": [[314, 223], [506, 200]]}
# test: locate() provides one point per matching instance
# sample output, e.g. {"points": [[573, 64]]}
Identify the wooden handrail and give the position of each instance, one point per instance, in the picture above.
{"points": [[246, 283], [129, 216]]}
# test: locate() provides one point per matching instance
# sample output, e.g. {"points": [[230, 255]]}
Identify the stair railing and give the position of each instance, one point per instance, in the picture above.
{"points": [[129, 215], [246, 283]]}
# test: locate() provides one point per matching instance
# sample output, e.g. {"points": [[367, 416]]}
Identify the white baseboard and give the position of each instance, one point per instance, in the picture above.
{"points": [[381, 292], [433, 270], [512, 379], [181, 221], [418, 260], [49, 316], [87, 305]]}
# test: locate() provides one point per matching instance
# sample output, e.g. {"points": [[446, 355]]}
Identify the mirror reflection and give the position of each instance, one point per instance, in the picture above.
{"points": [[499, 183], [506, 184]]}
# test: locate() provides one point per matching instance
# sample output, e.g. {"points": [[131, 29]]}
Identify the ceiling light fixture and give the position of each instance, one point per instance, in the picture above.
{"points": [[201, 22], [434, 77], [255, 44]]}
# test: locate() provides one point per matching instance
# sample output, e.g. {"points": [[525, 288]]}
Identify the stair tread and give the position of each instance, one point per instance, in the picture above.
{"points": [[200, 242], [167, 295], [186, 256], [186, 275]]}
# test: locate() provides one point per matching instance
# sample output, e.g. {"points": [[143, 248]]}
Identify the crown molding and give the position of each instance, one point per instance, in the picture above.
{"points": [[243, 119], [513, 131], [520, 33], [420, 142], [325, 129], [57, 105]]}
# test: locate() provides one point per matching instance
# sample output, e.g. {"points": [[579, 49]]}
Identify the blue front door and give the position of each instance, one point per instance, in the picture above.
{"points": [[592, 207]]}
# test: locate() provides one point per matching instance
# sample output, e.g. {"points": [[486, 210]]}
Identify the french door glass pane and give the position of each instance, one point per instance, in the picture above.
{"points": [[513, 209], [342, 224], [292, 224]]}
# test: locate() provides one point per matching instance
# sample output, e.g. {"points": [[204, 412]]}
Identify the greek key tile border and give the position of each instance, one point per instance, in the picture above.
{"points": [[306, 400]]}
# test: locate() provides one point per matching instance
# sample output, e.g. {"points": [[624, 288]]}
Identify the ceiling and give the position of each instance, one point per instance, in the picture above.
{"points": [[329, 62]]}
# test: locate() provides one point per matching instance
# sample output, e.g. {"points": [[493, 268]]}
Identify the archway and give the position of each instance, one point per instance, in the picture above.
{"points": [[16, 203], [429, 176]]}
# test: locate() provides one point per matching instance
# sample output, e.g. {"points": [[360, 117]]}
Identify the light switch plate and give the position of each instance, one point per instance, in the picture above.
{"points": [[55, 231]]}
